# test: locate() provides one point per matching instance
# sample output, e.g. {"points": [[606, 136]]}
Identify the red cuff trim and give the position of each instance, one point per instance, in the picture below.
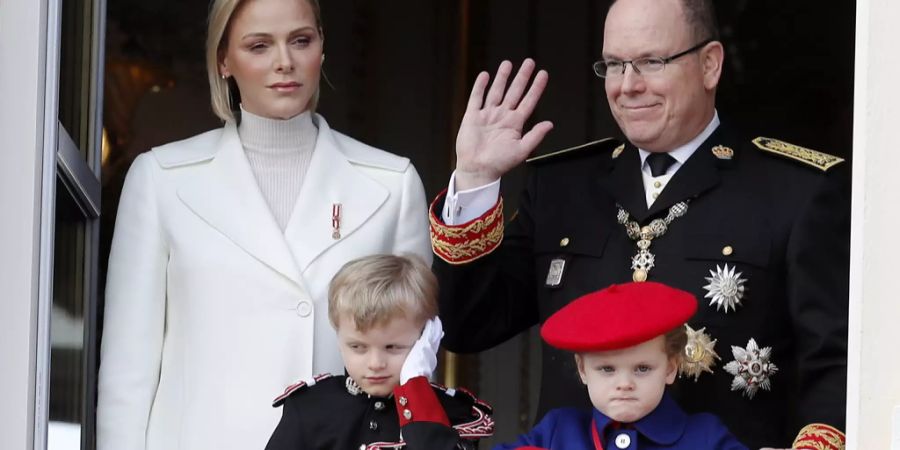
{"points": [[417, 402], [818, 436], [460, 244]]}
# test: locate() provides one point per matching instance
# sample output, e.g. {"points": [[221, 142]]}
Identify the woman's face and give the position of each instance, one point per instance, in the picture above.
{"points": [[275, 56]]}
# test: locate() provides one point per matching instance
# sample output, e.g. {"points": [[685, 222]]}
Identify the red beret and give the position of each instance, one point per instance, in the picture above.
{"points": [[620, 316]]}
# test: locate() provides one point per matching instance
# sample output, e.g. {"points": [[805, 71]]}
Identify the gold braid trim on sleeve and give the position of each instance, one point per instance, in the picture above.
{"points": [[460, 244], [818, 436]]}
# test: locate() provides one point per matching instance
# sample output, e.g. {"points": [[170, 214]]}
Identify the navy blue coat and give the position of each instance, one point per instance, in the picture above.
{"points": [[667, 427]]}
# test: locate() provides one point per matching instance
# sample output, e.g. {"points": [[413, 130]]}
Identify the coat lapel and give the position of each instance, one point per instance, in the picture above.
{"points": [[698, 174], [227, 197], [331, 179], [626, 184]]}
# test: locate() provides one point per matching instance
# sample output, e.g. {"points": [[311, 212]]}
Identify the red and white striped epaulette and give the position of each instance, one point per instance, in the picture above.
{"points": [[482, 423], [290, 390], [386, 445]]}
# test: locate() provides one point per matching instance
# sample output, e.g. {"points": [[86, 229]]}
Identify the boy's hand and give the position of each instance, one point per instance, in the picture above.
{"points": [[422, 358]]}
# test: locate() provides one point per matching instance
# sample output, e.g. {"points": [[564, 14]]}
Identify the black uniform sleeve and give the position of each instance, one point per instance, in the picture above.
{"points": [[288, 435], [492, 298], [433, 436], [818, 291], [425, 422]]}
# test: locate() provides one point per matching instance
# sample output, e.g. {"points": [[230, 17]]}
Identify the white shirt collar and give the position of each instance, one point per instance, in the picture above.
{"points": [[682, 153]]}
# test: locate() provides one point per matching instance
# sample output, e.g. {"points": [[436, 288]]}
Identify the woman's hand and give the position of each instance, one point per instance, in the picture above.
{"points": [[490, 140]]}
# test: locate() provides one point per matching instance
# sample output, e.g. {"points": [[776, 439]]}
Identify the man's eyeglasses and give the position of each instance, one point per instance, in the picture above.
{"points": [[612, 68]]}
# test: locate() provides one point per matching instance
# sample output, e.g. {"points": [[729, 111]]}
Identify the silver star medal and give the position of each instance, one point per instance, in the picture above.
{"points": [[751, 368], [725, 288], [699, 353]]}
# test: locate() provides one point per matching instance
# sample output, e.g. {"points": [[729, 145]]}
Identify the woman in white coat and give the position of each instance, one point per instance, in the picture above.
{"points": [[225, 243]]}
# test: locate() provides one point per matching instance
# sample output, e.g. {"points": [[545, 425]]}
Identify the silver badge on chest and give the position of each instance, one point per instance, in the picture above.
{"points": [[726, 288], [555, 273], [752, 368]]}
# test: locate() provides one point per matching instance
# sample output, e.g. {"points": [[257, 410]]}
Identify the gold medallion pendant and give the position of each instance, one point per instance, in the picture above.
{"points": [[643, 260]]}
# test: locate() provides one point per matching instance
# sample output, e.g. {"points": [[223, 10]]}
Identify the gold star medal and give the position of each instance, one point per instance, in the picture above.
{"points": [[699, 353], [752, 368], [725, 288]]}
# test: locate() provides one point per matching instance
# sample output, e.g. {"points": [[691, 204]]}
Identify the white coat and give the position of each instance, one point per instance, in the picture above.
{"points": [[211, 310]]}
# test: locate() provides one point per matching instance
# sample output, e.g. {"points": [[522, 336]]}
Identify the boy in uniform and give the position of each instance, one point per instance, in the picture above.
{"points": [[384, 309]]}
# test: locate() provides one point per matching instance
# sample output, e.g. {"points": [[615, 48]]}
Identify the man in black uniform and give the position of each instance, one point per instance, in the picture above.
{"points": [[756, 227]]}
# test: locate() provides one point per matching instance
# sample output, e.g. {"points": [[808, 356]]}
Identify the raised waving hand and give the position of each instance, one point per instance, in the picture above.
{"points": [[491, 140]]}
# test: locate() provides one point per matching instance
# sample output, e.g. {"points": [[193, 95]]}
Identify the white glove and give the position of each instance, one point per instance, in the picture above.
{"points": [[422, 358]]}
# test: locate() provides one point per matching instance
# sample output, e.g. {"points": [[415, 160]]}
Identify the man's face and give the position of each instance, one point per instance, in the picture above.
{"points": [[374, 357], [663, 110], [627, 384]]}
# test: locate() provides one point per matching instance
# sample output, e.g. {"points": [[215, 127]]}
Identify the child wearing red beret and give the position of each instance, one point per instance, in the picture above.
{"points": [[628, 340]]}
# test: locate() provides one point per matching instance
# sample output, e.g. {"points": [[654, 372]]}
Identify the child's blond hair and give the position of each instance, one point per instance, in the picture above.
{"points": [[375, 289], [676, 340]]}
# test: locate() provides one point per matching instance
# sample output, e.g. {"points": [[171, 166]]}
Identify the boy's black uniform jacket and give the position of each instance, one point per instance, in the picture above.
{"points": [[788, 228], [327, 416]]}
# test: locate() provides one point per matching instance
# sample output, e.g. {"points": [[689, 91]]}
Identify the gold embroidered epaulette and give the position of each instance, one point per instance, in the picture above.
{"points": [[822, 161], [819, 436], [571, 151]]}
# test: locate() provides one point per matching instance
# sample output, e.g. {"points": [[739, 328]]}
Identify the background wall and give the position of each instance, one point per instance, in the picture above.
{"points": [[874, 410]]}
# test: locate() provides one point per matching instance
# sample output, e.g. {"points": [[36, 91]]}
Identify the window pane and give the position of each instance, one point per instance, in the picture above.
{"points": [[75, 73], [67, 330]]}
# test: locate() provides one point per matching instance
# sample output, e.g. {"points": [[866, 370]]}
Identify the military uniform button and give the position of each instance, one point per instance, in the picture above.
{"points": [[304, 308], [407, 414], [564, 242], [379, 406], [373, 425], [403, 401], [623, 440], [727, 250]]}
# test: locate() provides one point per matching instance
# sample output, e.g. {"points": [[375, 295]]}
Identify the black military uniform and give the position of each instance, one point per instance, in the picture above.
{"points": [[780, 226], [335, 414]]}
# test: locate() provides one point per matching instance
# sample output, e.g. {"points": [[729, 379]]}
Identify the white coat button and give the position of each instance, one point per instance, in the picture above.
{"points": [[623, 440], [304, 308]]}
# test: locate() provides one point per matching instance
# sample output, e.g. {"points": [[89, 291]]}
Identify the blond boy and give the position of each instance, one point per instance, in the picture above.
{"points": [[384, 310]]}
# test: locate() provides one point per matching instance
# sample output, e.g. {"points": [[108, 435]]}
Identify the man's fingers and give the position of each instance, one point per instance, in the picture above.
{"points": [[533, 137], [519, 83], [477, 94], [495, 95], [529, 102]]}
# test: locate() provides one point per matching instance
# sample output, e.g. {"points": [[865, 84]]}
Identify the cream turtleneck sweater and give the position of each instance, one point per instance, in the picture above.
{"points": [[279, 152]]}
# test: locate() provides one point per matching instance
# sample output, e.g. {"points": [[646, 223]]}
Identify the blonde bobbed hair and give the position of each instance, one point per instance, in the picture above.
{"points": [[222, 90], [373, 290]]}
